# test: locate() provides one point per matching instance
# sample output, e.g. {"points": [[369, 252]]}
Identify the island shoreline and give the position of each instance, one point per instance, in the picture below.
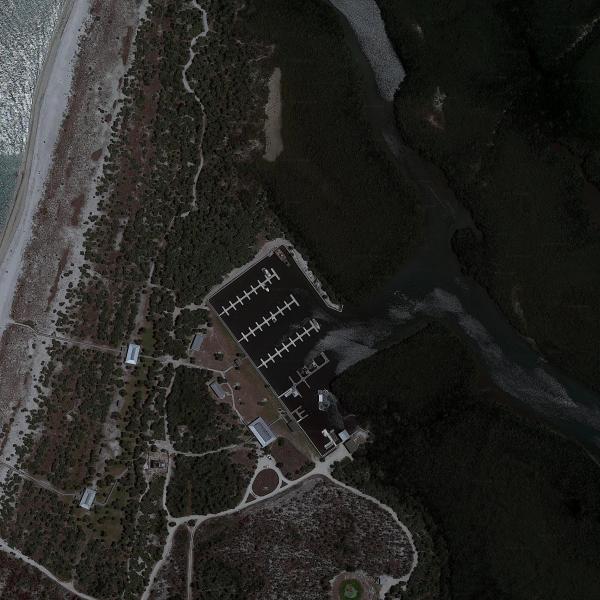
{"points": [[11, 244]]}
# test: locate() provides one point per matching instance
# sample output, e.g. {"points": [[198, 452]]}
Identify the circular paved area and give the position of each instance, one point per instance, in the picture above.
{"points": [[266, 482]]}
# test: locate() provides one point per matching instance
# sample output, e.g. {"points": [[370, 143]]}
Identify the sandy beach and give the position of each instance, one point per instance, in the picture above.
{"points": [[49, 105], [75, 100]]}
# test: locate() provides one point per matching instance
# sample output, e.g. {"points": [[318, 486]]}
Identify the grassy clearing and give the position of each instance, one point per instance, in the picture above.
{"points": [[351, 590]]}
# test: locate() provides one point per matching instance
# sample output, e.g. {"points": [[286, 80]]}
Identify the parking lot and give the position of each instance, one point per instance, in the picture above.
{"points": [[277, 318]]}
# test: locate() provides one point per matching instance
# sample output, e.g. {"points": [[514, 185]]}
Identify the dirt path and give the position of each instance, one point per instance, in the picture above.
{"points": [[39, 482], [67, 585], [190, 565], [188, 88], [165, 360], [322, 469], [201, 454], [65, 340]]}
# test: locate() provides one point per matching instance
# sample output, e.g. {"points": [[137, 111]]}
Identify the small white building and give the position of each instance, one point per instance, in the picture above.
{"points": [[262, 432], [344, 435], [133, 354], [87, 498]]}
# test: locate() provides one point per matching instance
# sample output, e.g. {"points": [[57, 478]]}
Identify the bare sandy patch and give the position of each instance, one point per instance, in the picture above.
{"points": [[274, 141]]}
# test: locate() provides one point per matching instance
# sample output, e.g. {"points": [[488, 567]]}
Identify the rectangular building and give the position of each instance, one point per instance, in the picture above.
{"points": [[262, 432], [133, 354], [87, 498]]}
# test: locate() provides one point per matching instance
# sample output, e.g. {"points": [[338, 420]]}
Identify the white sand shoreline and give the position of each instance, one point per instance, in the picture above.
{"points": [[49, 104]]}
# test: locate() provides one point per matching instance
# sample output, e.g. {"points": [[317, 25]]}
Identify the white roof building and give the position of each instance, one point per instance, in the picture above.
{"points": [[87, 498], [344, 436], [133, 354], [262, 432]]}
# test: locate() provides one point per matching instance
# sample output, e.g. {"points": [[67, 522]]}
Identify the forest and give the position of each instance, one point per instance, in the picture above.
{"points": [[516, 505], [510, 115], [197, 423], [493, 498], [334, 187], [206, 484], [94, 421]]}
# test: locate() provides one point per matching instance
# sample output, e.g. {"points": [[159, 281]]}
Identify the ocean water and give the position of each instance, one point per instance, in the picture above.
{"points": [[26, 27]]}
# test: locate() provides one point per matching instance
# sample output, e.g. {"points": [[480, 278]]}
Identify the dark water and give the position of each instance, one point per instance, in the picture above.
{"points": [[431, 286]]}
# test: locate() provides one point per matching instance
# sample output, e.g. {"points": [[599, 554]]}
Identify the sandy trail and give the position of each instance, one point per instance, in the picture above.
{"points": [[321, 469], [190, 90], [67, 585]]}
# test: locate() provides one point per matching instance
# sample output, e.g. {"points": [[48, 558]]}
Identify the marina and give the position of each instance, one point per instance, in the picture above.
{"points": [[279, 329]]}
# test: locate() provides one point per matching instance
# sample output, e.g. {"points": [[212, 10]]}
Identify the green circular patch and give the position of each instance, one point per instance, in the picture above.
{"points": [[350, 590]]}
